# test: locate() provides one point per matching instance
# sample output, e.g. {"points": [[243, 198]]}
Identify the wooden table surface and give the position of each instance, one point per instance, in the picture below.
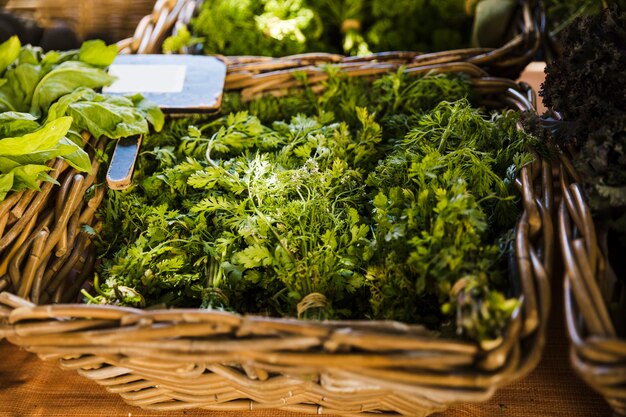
{"points": [[30, 387]]}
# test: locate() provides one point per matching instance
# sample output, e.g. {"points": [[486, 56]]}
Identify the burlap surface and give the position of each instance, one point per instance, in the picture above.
{"points": [[30, 387]]}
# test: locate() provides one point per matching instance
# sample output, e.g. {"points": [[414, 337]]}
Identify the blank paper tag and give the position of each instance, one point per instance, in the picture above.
{"points": [[147, 78], [176, 83]]}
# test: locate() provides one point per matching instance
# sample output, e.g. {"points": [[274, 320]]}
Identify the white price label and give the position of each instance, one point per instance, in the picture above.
{"points": [[147, 78]]}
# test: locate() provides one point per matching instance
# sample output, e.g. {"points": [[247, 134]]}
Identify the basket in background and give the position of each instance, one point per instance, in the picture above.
{"points": [[110, 20], [507, 60]]}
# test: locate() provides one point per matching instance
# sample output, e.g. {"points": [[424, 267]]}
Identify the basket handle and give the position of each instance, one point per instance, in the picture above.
{"points": [[154, 28]]}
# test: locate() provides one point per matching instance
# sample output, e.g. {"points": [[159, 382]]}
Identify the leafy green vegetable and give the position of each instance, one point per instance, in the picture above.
{"points": [[268, 27], [12, 123], [354, 27], [34, 80], [110, 116], [182, 39], [97, 53], [45, 138], [23, 158], [64, 79], [437, 193], [6, 183], [44, 144], [9, 50], [587, 88], [368, 201], [149, 110]]}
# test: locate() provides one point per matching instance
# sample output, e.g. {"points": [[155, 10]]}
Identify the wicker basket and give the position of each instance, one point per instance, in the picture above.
{"points": [[598, 354], [178, 359], [111, 20], [45, 251], [507, 61]]}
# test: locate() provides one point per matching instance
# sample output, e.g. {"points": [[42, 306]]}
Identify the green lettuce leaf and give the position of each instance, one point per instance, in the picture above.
{"points": [[6, 183], [23, 158], [15, 124], [44, 138], [7, 164], [7, 98], [21, 83], [9, 52], [26, 176], [150, 111], [111, 116], [42, 145], [60, 108], [29, 55], [107, 119], [58, 57], [64, 79], [75, 155], [97, 53]]}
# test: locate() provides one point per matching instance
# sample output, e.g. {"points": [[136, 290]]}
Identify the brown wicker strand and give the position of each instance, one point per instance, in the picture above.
{"points": [[4, 266], [14, 264], [18, 210], [598, 352], [34, 207], [32, 263], [38, 281], [9, 202]]}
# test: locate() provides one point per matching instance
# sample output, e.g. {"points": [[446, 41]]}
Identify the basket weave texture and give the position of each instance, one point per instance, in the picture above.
{"points": [[177, 359], [45, 252], [597, 353], [507, 61]]}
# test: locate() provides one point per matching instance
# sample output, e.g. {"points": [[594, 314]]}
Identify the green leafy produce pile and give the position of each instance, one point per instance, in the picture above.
{"points": [[370, 201], [353, 27], [47, 101]]}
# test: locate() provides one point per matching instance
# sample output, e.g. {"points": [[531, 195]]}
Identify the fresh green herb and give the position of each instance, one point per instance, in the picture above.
{"points": [[265, 27], [438, 195], [178, 42], [353, 27], [383, 206]]}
